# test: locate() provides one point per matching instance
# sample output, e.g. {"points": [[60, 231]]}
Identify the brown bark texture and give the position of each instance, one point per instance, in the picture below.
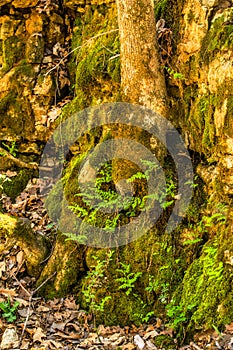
{"points": [[142, 77]]}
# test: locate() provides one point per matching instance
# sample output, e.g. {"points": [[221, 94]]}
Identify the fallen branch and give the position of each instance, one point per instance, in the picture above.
{"points": [[79, 47], [18, 162]]}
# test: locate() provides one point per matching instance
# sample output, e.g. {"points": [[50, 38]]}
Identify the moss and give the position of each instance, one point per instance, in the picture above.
{"points": [[54, 200], [218, 38], [67, 265], [205, 298], [97, 60], [6, 102], [191, 16], [228, 125], [161, 272], [164, 342], [17, 184], [160, 8], [13, 50], [14, 231]]}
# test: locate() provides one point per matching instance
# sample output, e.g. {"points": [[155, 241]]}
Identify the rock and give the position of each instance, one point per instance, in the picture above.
{"points": [[118, 342], [34, 24], [24, 3], [44, 86], [150, 345], [4, 2], [9, 338], [151, 334], [139, 341], [128, 346]]}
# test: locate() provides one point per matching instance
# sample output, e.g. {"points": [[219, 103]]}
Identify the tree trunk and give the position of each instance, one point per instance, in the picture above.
{"points": [[142, 77]]}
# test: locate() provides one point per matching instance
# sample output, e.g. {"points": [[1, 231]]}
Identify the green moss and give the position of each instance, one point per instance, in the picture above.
{"points": [[191, 16], [54, 200], [6, 102], [96, 60], [218, 38], [164, 342], [17, 184], [205, 298], [13, 50], [160, 8], [228, 125]]}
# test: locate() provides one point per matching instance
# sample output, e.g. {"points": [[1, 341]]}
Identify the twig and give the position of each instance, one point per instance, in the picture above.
{"points": [[25, 290], [79, 47], [18, 162], [43, 283], [30, 303]]}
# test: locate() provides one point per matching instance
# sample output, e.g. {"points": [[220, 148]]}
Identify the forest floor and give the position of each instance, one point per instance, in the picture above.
{"points": [[60, 323]]}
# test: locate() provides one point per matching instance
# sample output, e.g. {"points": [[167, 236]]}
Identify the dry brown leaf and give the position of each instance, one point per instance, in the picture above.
{"points": [[150, 328], [60, 326], [2, 267], [25, 345], [56, 344], [42, 308], [158, 323], [8, 292], [168, 331], [71, 304], [38, 335], [20, 258], [72, 335], [74, 325], [229, 327], [23, 312], [22, 301]]}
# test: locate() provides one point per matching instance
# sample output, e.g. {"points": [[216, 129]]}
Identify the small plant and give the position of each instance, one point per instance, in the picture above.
{"points": [[176, 314], [81, 239], [12, 149], [94, 281], [128, 279], [8, 310], [174, 74]]}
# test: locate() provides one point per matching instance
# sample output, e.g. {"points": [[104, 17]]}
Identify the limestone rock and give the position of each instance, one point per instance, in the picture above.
{"points": [[9, 338], [34, 24], [24, 3], [139, 341], [4, 2]]}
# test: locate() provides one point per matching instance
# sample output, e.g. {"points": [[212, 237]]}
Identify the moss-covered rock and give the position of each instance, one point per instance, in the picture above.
{"points": [[14, 231], [66, 264]]}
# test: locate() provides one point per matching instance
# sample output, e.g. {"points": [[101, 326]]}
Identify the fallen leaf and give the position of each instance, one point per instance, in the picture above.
{"points": [[7, 292], [2, 267], [229, 327], [20, 258], [65, 336], [71, 304], [60, 326], [38, 335]]}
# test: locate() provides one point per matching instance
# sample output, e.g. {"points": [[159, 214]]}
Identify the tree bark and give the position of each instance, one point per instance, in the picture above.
{"points": [[142, 77]]}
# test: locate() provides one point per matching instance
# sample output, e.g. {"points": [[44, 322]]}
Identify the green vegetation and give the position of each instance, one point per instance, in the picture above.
{"points": [[8, 310], [174, 74], [12, 148], [93, 282], [128, 278]]}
